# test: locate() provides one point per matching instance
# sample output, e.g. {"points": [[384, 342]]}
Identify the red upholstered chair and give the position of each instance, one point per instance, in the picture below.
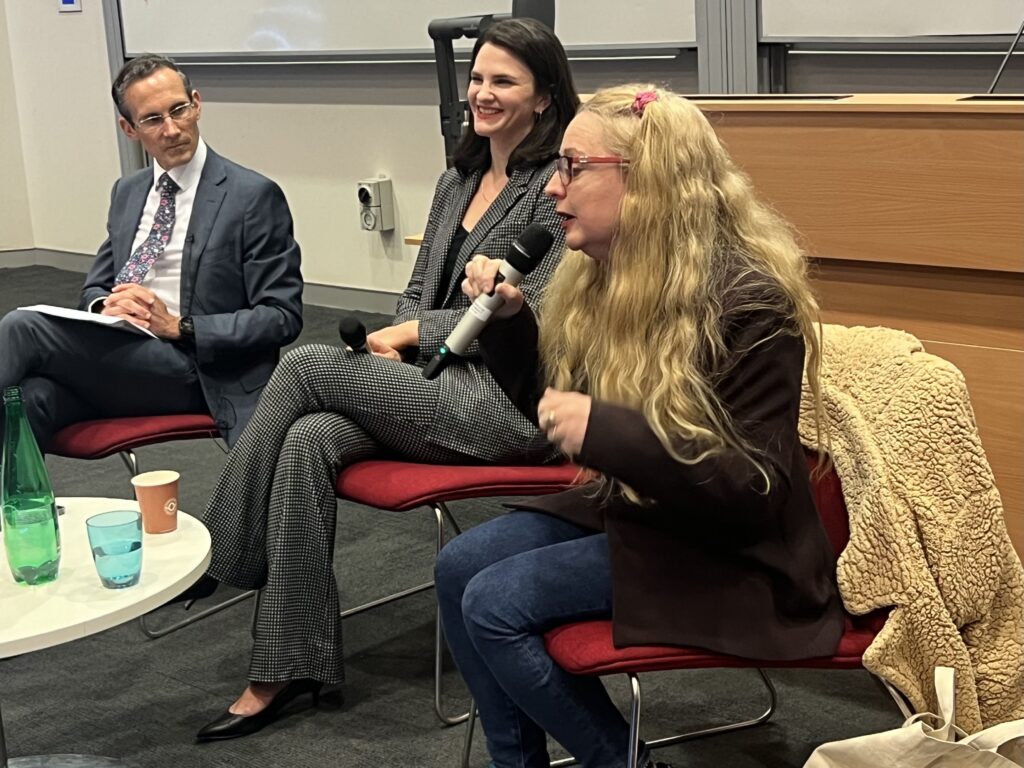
{"points": [[100, 438], [398, 486], [586, 648]]}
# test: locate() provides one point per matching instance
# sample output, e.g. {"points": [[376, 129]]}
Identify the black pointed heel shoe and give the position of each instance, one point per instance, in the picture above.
{"points": [[205, 587], [232, 726]]}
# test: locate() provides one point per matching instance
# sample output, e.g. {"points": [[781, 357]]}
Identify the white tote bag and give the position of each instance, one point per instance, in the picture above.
{"points": [[920, 745]]}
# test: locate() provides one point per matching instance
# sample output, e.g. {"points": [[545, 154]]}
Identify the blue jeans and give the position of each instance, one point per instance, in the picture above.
{"points": [[500, 586]]}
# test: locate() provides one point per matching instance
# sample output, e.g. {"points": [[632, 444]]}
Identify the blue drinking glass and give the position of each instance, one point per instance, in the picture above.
{"points": [[116, 542]]}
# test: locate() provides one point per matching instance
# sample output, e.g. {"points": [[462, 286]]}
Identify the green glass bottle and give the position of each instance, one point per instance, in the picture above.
{"points": [[31, 531]]}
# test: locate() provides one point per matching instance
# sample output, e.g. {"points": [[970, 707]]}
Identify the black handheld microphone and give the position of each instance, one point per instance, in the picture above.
{"points": [[353, 333], [525, 254]]}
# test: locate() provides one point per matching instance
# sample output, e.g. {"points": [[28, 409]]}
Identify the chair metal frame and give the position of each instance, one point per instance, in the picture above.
{"points": [[727, 662], [443, 517], [634, 725], [131, 462], [634, 721]]}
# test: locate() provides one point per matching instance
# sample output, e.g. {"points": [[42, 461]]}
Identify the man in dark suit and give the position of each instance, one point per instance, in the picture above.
{"points": [[199, 252]]}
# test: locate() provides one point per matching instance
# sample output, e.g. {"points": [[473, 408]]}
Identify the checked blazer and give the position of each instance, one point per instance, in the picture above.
{"points": [[469, 384]]}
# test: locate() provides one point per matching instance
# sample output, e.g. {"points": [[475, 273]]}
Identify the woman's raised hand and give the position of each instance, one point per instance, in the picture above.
{"points": [[564, 417], [481, 273]]}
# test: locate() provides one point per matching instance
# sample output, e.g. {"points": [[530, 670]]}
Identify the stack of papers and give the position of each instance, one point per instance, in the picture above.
{"points": [[89, 317]]}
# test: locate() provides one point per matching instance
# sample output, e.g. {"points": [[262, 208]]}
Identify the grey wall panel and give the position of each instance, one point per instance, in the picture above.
{"points": [[889, 73]]}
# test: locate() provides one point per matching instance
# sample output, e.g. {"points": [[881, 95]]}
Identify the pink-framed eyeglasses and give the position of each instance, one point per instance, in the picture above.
{"points": [[567, 166]]}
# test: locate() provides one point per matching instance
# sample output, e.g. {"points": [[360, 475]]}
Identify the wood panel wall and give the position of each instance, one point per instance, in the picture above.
{"points": [[913, 210], [971, 318]]}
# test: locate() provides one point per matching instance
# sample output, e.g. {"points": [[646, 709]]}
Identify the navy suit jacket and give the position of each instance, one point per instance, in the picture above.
{"points": [[240, 279]]}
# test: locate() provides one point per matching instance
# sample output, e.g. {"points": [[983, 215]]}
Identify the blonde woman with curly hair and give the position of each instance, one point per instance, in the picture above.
{"points": [[672, 343]]}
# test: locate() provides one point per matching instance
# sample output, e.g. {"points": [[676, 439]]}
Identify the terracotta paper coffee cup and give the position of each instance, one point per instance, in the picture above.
{"points": [[157, 493]]}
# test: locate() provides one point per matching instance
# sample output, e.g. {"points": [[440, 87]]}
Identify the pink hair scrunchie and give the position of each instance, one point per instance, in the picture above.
{"points": [[642, 100]]}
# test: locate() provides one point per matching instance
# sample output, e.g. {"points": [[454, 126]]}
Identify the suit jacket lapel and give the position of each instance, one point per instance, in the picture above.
{"points": [[461, 197], [495, 214], [209, 197]]}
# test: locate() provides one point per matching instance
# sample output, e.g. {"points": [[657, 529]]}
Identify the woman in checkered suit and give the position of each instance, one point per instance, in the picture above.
{"points": [[272, 514]]}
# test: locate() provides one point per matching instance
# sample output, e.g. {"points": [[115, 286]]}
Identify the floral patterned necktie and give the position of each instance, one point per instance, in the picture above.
{"points": [[153, 246]]}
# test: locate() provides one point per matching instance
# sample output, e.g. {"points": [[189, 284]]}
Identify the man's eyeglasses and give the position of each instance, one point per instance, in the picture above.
{"points": [[180, 114], [569, 166]]}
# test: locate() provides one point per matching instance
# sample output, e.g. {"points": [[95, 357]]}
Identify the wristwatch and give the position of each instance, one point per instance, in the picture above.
{"points": [[187, 328]]}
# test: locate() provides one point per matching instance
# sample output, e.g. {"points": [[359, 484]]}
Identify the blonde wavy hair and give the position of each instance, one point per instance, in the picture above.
{"points": [[644, 328]]}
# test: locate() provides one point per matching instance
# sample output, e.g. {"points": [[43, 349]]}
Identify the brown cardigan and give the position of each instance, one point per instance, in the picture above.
{"points": [[713, 562]]}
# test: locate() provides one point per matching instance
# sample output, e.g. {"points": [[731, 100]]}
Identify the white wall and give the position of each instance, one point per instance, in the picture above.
{"points": [[317, 133], [15, 215], [318, 153], [318, 130], [62, 97], [315, 130]]}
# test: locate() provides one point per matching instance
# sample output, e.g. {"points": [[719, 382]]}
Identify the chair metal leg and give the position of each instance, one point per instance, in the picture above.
{"points": [[155, 633], [633, 756], [256, 612], [467, 741], [759, 720], [634, 726], [450, 518], [633, 753], [131, 461], [563, 761], [441, 512], [388, 599]]}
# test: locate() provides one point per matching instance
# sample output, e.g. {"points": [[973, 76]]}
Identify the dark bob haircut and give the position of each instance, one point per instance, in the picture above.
{"points": [[140, 68], [541, 52]]}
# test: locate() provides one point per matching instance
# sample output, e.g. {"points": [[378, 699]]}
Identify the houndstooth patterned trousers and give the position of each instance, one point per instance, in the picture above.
{"points": [[272, 514]]}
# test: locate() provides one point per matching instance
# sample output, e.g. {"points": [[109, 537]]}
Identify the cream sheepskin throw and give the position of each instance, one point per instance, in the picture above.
{"points": [[927, 534]]}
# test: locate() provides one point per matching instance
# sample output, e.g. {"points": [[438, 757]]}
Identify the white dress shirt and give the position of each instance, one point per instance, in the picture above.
{"points": [[164, 277]]}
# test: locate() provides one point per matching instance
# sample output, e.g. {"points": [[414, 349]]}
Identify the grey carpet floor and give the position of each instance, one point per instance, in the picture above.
{"points": [[122, 695]]}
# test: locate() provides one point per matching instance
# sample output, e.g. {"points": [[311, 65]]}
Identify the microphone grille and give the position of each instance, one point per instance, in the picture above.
{"points": [[530, 247], [351, 330]]}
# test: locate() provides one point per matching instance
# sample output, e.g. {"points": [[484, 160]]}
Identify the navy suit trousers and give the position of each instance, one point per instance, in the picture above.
{"points": [[71, 371]]}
